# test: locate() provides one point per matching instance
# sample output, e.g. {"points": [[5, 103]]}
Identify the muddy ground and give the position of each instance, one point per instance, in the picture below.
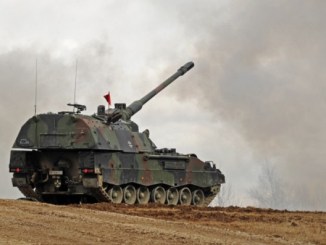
{"points": [[23, 222]]}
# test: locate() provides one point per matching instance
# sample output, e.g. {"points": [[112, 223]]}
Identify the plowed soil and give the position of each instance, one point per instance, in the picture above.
{"points": [[23, 222]]}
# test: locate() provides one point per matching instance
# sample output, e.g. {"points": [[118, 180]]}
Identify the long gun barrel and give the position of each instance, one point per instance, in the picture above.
{"points": [[136, 106]]}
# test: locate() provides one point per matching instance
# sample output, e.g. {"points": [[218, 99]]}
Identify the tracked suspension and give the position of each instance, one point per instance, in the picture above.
{"points": [[158, 195], [101, 195], [29, 192]]}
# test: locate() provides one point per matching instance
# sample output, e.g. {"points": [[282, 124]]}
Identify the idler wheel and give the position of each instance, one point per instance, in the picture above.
{"points": [[198, 197], [172, 196], [116, 194], [143, 195], [158, 195], [129, 194], [185, 196]]}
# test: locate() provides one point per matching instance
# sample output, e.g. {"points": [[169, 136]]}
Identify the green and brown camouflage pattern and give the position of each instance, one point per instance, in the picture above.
{"points": [[67, 156], [80, 132]]}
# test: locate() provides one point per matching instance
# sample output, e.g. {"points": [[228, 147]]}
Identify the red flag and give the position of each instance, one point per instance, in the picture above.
{"points": [[108, 98]]}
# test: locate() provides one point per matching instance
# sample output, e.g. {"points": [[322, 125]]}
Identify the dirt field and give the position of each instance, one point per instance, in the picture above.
{"points": [[23, 222]]}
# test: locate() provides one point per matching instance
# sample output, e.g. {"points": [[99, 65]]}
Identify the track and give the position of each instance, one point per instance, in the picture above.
{"points": [[29, 193], [132, 195], [101, 195]]}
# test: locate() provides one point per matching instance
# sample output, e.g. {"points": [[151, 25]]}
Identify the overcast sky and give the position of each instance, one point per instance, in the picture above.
{"points": [[256, 94]]}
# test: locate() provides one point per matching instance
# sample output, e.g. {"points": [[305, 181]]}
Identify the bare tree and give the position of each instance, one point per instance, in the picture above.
{"points": [[269, 191]]}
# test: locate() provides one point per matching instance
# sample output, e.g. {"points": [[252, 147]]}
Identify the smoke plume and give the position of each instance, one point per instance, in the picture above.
{"points": [[260, 69]]}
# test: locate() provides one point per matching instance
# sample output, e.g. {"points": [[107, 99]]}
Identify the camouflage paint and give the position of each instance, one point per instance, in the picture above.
{"points": [[68, 153]]}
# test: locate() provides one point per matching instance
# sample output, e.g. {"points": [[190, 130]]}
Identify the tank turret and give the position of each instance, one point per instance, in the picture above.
{"points": [[125, 113]]}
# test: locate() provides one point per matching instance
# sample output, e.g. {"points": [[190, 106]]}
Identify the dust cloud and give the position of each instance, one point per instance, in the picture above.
{"points": [[260, 68]]}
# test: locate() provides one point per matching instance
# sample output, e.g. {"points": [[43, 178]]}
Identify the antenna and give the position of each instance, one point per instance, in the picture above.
{"points": [[35, 102], [75, 84]]}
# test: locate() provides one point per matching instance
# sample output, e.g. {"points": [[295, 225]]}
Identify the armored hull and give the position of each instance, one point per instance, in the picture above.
{"points": [[69, 157]]}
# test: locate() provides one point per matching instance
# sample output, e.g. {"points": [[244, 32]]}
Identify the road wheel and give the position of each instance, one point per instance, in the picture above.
{"points": [[185, 196], [143, 195], [158, 195], [129, 194], [172, 196], [116, 194], [198, 197]]}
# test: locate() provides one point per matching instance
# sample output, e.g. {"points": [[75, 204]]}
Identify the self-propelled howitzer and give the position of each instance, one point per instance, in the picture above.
{"points": [[69, 157]]}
